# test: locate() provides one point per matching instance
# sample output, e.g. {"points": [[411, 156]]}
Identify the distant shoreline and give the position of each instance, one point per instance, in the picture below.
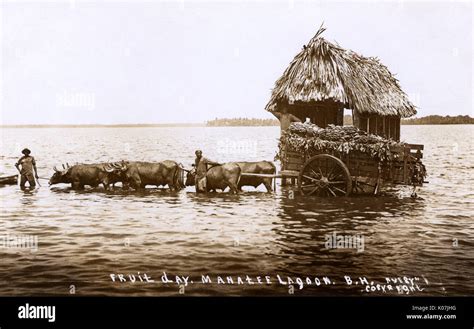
{"points": [[426, 120], [190, 125], [138, 125], [248, 122]]}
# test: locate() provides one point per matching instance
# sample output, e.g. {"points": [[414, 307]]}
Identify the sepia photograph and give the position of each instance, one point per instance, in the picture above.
{"points": [[220, 149]]}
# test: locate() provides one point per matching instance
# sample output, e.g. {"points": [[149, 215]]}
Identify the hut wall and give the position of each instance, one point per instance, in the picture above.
{"points": [[372, 129], [356, 119], [340, 117], [385, 126], [326, 113], [397, 128], [380, 126], [321, 114], [391, 127], [361, 122]]}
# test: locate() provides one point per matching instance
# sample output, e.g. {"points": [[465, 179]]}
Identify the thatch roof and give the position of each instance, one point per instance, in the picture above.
{"points": [[324, 71]]}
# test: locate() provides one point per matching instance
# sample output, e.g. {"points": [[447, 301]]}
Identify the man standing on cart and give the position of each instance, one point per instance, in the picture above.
{"points": [[201, 164], [286, 119]]}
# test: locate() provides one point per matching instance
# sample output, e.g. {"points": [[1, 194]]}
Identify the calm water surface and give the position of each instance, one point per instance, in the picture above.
{"points": [[85, 236]]}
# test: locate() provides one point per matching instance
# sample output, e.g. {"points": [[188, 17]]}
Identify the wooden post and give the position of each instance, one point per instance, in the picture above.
{"points": [[340, 117], [355, 119], [372, 125], [389, 127], [384, 130], [397, 129], [406, 151]]}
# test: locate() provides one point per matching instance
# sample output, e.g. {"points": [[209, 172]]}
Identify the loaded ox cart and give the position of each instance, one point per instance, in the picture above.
{"points": [[352, 108], [343, 160]]}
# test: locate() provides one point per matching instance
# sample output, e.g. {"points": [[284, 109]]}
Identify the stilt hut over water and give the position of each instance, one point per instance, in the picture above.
{"points": [[324, 79]]}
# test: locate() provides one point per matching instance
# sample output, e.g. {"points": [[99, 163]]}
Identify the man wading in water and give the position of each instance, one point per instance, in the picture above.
{"points": [[201, 164], [28, 170]]}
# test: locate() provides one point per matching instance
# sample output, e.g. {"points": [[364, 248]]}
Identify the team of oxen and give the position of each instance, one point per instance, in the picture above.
{"points": [[138, 174]]}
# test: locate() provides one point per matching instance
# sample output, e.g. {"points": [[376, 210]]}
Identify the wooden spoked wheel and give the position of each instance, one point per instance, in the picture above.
{"points": [[325, 175]]}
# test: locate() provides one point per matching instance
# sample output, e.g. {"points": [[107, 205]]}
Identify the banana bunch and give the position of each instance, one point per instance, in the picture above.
{"points": [[309, 138]]}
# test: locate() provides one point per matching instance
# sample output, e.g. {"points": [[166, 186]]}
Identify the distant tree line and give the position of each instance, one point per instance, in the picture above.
{"points": [[242, 122], [439, 120], [428, 120]]}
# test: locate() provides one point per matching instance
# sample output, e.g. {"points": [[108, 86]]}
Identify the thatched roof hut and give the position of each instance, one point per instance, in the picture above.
{"points": [[324, 78]]}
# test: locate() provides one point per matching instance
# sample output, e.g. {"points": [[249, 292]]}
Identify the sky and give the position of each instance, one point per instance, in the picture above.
{"points": [[191, 61]]}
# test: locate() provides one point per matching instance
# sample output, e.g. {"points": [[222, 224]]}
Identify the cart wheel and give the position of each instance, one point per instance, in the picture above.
{"points": [[325, 175]]}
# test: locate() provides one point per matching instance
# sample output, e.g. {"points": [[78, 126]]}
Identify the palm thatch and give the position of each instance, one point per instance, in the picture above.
{"points": [[324, 71]]}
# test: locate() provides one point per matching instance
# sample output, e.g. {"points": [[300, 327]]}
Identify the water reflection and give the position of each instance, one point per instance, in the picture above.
{"points": [[28, 196], [384, 226], [82, 234]]}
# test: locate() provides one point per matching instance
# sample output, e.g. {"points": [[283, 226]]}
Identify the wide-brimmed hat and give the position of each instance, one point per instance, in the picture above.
{"points": [[26, 151]]}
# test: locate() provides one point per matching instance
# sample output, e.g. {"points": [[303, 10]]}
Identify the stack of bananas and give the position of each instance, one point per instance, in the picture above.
{"points": [[309, 138]]}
